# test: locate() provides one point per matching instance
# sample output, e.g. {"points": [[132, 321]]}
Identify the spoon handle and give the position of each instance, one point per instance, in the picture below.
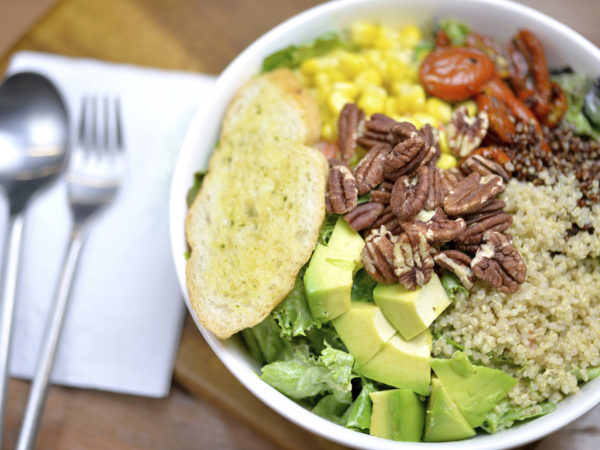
{"points": [[12, 250], [39, 388]]}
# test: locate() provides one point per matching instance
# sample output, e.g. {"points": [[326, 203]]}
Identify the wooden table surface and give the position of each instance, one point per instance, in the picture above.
{"points": [[207, 407]]}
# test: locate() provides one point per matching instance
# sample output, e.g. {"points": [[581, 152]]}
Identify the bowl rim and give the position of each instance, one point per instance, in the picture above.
{"points": [[512, 437]]}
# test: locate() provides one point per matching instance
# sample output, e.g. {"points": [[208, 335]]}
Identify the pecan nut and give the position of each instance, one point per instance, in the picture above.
{"points": [[343, 192], [369, 172], [398, 161], [499, 221], [378, 257], [435, 199], [387, 219], [499, 263], [432, 140], [465, 133], [408, 197], [349, 123], [377, 130], [450, 179], [363, 216], [472, 194], [492, 208], [458, 263], [438, 228], [413, 264], [483, 166]]}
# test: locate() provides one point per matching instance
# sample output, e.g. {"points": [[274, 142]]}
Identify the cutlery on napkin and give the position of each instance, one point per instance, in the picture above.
{"points": [[124, 322]]}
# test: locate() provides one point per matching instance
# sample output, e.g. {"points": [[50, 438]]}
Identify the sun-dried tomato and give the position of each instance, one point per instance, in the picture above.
{"points": [[455, 74]]}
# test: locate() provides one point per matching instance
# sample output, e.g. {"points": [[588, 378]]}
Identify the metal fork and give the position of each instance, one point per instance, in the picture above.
{"points": [[95, 173]]}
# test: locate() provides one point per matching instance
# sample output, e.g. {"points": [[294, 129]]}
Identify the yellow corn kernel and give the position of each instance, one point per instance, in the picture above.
{"points": [[373, 56], [322, 81], [447, 161], [312, 66], [426, 118], [443, 138], [366, 77], [388, 38], [411, 97], [364, 34], [410, 36], [390, 107], [351, 64], [372, 100], [336, 102], [328, 132], [346, 88], [470, 105], [439, 109], [336, 76]]}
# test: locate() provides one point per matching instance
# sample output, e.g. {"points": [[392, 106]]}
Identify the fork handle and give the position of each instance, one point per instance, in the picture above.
{"points": [[39, 388], [12, 251]]}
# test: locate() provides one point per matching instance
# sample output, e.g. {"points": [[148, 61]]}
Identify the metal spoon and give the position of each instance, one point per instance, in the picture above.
{"points": [[34, 139]]}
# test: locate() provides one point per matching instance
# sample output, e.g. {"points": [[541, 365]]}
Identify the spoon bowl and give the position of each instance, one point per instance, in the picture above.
{"points": [[34, 138], [33, 135]]}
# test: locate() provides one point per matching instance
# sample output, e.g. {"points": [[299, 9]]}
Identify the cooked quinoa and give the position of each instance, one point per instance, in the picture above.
{"points": [[549, 330]]}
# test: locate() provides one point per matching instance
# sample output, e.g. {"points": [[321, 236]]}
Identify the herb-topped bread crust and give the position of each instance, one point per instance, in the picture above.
{"points": [[256, 219]]}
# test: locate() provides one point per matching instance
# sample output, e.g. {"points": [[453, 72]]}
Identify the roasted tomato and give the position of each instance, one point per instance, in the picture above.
{"points": [[455, 74]]}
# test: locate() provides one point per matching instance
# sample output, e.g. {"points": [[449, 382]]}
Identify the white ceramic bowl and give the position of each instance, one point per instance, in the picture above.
{"points": [[499, 19]]}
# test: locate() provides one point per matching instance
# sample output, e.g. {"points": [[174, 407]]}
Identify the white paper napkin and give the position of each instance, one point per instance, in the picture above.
{"points": [[123, 325]]}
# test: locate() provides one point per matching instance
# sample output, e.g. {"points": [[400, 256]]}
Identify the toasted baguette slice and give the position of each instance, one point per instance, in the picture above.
{"points": [[256, 218]]}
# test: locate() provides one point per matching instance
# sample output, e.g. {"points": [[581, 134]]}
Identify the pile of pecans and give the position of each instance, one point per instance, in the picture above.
{"points": [[417, 216]]}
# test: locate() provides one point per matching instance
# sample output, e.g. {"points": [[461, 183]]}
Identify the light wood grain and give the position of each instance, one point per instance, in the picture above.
{"points": [[207, 407]]}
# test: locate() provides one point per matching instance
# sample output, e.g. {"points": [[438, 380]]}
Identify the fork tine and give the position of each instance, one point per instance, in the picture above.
{"points": [[82, 121], [119, 125], [94, 124], [106, 123]]}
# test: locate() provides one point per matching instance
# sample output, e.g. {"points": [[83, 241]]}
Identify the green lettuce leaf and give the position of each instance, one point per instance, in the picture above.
{"points": [[193, 191], [358, 416], [327, 228], [456, 30], [575, 86], [452, 285], [293, 55], [505, 415], [330, 408], [362, 287], [587, 374], [321, 337], [306, 377], [292, 314], [265, 342]]}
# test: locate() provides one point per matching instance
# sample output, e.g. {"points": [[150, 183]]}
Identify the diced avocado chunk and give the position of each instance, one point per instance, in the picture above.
{"points": [[411, 312], [402, 364], [474, 389], [327, 283], [364, 330], [347, 241], [443, 420], [398, 414]]}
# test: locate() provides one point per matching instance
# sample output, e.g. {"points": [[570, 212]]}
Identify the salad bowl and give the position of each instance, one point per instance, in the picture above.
{"points": [[499, 19]]}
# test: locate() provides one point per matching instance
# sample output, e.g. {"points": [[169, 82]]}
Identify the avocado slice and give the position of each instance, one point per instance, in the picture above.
{"points": [[402, 364], [364, 330], [474, 389], [443, 420], [411, 312], [398, 414], [347, 241], [328, 283]]}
